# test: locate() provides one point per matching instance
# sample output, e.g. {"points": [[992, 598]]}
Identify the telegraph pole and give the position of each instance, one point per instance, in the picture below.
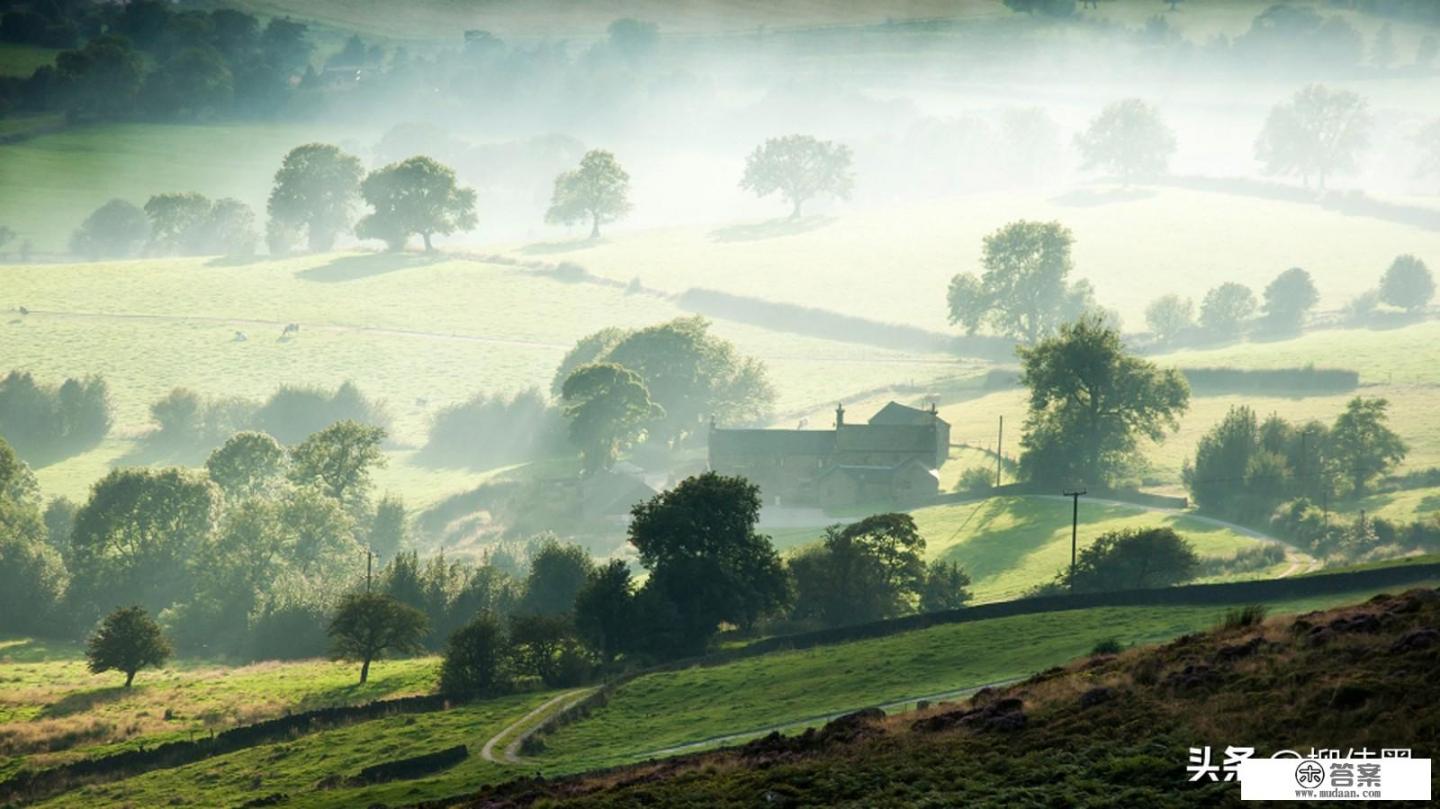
{"points": [[999, 451], [369, 556], [1074, 495]]}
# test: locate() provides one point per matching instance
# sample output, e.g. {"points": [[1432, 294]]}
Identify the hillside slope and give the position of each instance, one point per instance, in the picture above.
{"points": [[1104, 731]]}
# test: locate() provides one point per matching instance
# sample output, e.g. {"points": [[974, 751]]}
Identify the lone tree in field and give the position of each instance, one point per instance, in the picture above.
{"points": [[417, 195], [1226, 308], [128, 640], [116, 229], [1318, 132], [1129, 140], [799, 167], [1090, 403], [315, 192], [1289, 298], [598, 191], [1169, 317], [1023, 292], [370, 625], [608, 407], [1362, 446], [1132, 559], [1407, 284]]}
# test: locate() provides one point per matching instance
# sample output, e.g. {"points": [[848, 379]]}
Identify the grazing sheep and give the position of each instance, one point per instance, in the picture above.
{"points": [[240, 337], [24, 311], [291, 328]]}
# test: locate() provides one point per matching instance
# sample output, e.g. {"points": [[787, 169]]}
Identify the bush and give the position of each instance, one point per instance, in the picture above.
{"points": [[490, 431], [46, 422], [477, 660], [1241, 617], [976, 480], [1108, 646], [294, 413], [291, 631]]}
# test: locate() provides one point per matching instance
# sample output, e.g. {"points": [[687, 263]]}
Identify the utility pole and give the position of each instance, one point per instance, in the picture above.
{"points": [[1074, 495], [999, 451], [369, 556]]}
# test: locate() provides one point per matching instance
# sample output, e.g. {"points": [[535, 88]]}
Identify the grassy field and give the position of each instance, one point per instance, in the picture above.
{"points": [[895, 264], [53, 709], [1010, 544], [313, 770], [21, 60], [658, 712], [669, 709], [416, 332]]}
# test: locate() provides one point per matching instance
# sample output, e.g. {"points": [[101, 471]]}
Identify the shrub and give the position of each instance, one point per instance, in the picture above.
{"points": [[976, 480], [477, 660], [1241, 617], [1108, 646], [293, 413], [45, 422]]}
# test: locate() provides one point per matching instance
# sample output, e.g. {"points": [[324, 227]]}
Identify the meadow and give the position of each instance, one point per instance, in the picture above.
{"points": [[661, 712], [417, 332], [52, 709]]}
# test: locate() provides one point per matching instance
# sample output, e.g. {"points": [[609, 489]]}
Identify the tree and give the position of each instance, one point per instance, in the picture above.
{"points": [[1127, 138], [32, 577], [177, 222], [799, 167], [417, 195], [370, 625], [694, 377], [705, 559], [1318, 132], [100, 80], [1226, 307], [1289, 298], [1132, 559], [315, 191], [557, 572], [128, 640], [1407, 284], [608, 407], [338, 459], [1169, 317], [1089, 404], [195, 83], [477, 660], [229, 229], [599, 191], [136, 536], [947, 587], [249, 464], [388, 534], [605, 615], [1361, 445], [866, 571], [540, 643], [114, 230], [1023, 292]]}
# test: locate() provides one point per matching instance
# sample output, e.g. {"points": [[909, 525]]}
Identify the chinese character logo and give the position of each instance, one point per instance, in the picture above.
{"points": [[1309, 774]]}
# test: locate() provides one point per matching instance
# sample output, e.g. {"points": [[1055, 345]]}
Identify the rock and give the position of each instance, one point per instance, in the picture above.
{"points": [[1096, 696], [1416, 640], [1414, 600], [1364, 622], [1318, 636], [1194, 677], [1227, 654]]}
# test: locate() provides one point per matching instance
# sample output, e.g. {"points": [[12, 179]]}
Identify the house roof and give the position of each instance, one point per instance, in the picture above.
{"points": [[772, 442], [885, 438], [896, 413]]}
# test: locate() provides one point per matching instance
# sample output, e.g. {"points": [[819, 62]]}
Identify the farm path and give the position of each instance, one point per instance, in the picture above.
{"points": [[511, 751]]}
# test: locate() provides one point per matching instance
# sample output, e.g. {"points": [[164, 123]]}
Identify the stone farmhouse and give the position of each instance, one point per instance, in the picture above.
{"points": [[892, 458]]}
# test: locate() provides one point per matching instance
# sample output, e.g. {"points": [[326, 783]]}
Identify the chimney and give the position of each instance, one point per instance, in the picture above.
{"points": [[839, 415]]}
